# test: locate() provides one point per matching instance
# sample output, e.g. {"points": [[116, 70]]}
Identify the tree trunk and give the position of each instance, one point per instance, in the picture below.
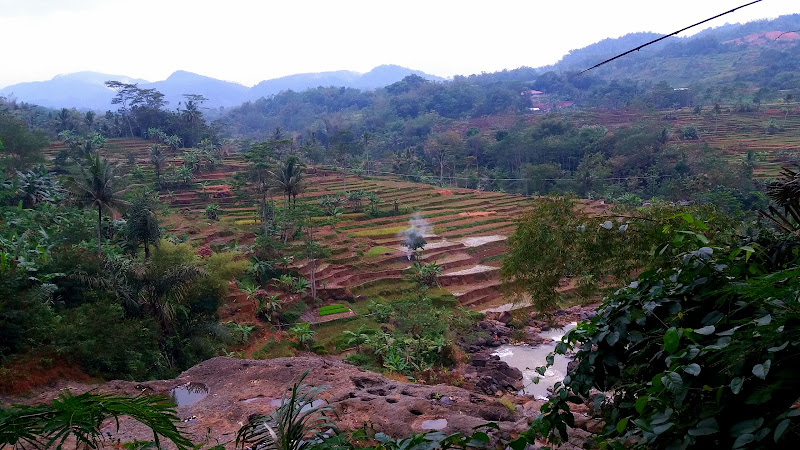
{"points": [[313, 272], [99, 230], [264, 211]]}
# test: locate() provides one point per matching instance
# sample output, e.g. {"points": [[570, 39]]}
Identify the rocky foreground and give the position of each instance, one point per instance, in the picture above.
{"points": [[239, 388]]}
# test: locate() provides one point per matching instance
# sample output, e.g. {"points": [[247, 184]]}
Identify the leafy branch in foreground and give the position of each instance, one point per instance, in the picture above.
{"points": [[701, 351], [81, 416]]}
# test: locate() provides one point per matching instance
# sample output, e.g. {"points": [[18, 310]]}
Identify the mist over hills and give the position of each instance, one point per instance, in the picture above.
{"points": [[712, 55], [86, 90]]}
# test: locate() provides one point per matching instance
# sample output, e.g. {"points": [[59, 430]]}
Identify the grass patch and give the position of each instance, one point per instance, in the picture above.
{"points": [[476, 223], [481, 230], [380, 250], [329, 334], [273, 349], [390, 289], [388, 231], [332, 309], [492, 258]]}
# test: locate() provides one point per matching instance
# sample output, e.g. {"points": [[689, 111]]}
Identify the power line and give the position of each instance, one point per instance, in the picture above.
{"points": [[664, 37], [403, 175]]}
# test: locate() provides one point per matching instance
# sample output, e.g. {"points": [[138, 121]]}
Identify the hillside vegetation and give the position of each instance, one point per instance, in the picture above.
{"points": [[391, 227]]}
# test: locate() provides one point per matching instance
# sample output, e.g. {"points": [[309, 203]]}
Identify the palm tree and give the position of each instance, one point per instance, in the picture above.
{"points": [[94, 183], [157, 159], [192, 112], [289, 179], [142, 225], [80, 418], [88, 118], [146, 287]]}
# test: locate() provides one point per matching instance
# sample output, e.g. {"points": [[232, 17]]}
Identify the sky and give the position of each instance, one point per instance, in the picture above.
{"points": [[247, 41]]}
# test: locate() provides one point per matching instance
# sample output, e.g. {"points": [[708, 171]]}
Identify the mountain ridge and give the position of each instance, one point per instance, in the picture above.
{"points": [[86, 89], [669, 60]]}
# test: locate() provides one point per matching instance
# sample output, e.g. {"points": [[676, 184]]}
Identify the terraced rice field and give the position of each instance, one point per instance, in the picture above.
{"points": [[467, 232], [735, 133]]}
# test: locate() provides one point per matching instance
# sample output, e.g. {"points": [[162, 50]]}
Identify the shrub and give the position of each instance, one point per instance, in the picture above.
{"points": [[292, 312], [693, 353]]}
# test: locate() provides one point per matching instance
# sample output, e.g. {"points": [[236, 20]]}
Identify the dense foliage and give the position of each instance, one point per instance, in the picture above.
{"points": [[557, 240], [696, 351]]}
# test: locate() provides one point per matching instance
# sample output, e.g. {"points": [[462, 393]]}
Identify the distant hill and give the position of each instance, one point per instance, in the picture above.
{"points": [[732, 52], [378, 77], [219, 93], [85, 90]]}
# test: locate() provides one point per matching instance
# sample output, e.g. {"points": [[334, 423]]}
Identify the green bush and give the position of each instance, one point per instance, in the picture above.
{"points": [[107, 344], [694, 353], [292, 312], [444, 301], [364, 361]]}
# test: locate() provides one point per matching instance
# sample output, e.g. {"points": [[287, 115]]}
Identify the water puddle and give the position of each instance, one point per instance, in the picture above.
{"points": [[527, 359], [480, 240], [475, 269], [437, 424], [257, 398], [189, 393]]}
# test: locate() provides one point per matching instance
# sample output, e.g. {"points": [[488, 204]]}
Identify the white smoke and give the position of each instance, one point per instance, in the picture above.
{"points": [[415, 234]]}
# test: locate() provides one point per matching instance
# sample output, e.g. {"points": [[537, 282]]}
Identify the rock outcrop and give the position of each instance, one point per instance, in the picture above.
{"points": [[239, 388]]}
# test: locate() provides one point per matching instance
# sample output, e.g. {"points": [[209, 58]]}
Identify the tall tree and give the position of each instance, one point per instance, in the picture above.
{"points": [[289, 179], [147, 287], [442, 148], [126, 92], [142, 225], [94, 184], [261, 156], [22, 145], [157, 158]]}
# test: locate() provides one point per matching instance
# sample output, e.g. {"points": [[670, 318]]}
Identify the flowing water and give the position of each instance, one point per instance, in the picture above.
{"points": [[527, 359]]}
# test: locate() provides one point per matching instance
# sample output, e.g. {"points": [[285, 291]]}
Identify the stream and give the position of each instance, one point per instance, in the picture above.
{"points": [[527, 359]]}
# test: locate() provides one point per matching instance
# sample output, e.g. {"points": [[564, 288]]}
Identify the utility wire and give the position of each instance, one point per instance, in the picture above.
{"points": [[403, 175], [664, 37]]}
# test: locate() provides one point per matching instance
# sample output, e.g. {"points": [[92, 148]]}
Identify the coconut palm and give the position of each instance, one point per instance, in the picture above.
{"points": [[157, 158], [142, 225], [192, 112], [94, 184], [289, 179], [146, 287], [785, 193], [80, 419]]}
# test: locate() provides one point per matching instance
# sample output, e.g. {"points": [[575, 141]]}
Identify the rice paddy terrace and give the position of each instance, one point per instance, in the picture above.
{"points": [[773, 132], [466, 230]]}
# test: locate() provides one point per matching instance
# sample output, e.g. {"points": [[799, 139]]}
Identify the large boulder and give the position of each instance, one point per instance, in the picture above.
{"points": [[239, 388]]}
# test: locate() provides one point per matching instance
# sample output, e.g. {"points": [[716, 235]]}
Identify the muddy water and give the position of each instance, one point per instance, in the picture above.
{"points": [[188, 393], [436, 424], [527, 359]]}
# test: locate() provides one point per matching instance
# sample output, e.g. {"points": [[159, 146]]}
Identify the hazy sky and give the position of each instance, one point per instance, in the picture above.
{"points": [[248, 41]]}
